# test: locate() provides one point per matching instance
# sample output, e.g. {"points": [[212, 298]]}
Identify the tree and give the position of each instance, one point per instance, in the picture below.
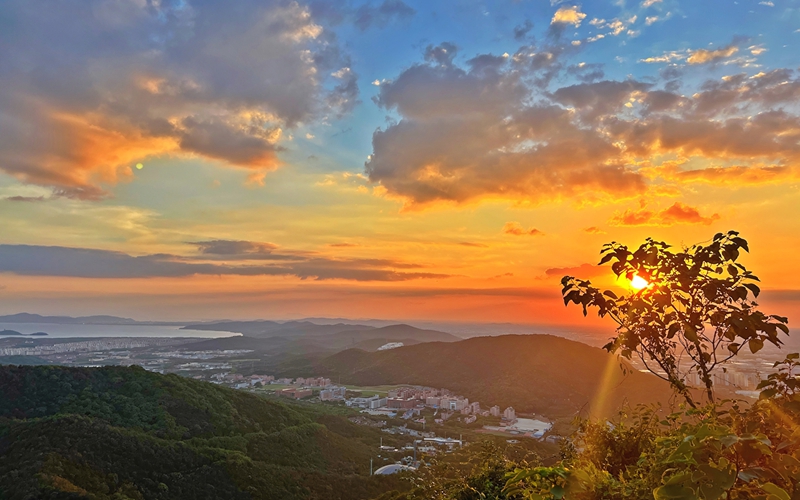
{"points": [[694, 314]]}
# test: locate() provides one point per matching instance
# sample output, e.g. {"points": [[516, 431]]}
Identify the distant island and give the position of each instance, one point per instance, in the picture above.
{"points": [[10, 333], [82, 320]]}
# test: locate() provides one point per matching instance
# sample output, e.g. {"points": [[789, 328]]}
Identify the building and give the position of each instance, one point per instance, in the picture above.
{"points": [[470, 419], [331, 393], [377, 403], [454, 403], [401, 403], [509, 414], [371, 402], [295, 392], [432, 401], [494, 411]]}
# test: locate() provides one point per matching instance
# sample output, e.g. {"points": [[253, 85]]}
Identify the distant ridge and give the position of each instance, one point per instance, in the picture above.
{"points": [[81, 320], [543, 374], [14, 333]]}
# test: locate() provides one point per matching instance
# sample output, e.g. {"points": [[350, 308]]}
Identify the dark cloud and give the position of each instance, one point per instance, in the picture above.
{"points": [[32, 260], [522, 30], [91, 87], [25, 198], [369, 14], [235, 248]]}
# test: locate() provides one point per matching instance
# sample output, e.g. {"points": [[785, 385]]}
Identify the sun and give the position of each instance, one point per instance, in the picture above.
{"points": [[638, 282]]}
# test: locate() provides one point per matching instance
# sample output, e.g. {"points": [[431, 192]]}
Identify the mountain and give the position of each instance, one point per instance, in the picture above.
{"points": [[306, 338], [14, 333], [81, 320], [274, 328], [124, 433], [541, 374]]}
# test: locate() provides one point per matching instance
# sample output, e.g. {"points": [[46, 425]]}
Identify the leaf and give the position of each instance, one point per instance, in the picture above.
{"points": [[742, 243], [776, 491], [753, 288], [690, 333], [755, 345], [674, 492]]}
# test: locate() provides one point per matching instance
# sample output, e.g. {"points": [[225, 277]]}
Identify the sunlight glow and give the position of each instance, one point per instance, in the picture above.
{"points": [[638, 282]]}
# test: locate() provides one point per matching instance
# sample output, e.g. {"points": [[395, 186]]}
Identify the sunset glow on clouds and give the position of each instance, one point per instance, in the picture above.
{"points": [[388, 159]]}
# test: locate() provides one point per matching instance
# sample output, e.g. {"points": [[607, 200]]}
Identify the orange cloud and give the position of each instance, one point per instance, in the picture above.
{"points": [[583, 271], [568, 15], [678, 213], [703, 56], [78, 126], [516, 229], [594, 230]]}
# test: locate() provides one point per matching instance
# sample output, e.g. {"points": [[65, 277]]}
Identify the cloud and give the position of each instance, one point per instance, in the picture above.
{"points": [[33, 260], [516, 229], [84, 100], [25, 198], [234, 248], [568, 15], [477, 131], [678, 213], [343, 245], [704, 56], [520, 31], [594, 230], [650, 3], [472, 244], [369, 15], [583, 271], [530, 128]]}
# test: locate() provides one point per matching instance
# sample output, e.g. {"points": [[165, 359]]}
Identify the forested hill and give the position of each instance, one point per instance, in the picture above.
{"points": [[545, 374], [125, 433]]}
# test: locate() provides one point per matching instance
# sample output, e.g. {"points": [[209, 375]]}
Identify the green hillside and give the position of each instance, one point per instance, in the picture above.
{"points": [[126, 433], [545, 374]]}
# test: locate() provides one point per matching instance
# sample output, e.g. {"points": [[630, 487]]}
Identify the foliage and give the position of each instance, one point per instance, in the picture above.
{"points": [[696, 308], [117, 433], [479, 471]]}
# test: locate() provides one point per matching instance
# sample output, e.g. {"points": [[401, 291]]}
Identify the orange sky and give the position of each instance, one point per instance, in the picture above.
{"points": [[306, 165]]}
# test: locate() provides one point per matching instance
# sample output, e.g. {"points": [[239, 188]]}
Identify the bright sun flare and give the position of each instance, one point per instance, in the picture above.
{"points": [[638, 282]]}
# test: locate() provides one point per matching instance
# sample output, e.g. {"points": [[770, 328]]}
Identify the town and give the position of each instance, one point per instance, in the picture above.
{"points": [[413, 403]]}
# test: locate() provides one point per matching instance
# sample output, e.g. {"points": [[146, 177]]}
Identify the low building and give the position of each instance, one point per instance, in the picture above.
{"points": [[295, 392], [332, 393]]}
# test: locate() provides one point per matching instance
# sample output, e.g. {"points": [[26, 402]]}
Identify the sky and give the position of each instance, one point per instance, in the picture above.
{"points": [[389, 159]]}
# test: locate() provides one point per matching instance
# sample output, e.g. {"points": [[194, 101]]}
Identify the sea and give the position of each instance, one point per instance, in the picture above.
{"points": [[57, 330]]}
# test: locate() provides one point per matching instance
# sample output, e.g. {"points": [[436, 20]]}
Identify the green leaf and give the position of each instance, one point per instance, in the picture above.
{"points": [[777, 491], [674, 492]]}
